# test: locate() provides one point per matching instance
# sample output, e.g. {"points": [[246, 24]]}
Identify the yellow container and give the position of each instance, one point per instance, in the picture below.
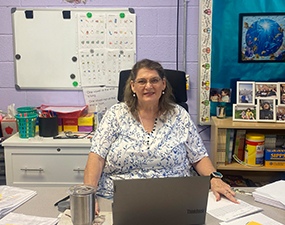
{"points": [[254, 149]]}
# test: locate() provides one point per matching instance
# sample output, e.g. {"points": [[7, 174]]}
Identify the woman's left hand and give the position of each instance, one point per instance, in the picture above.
{"points": [[219, 188]]}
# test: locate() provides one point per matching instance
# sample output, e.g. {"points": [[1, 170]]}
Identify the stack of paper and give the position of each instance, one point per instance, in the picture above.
{"points": [[15, 218], [12, 197], [271, 194]]}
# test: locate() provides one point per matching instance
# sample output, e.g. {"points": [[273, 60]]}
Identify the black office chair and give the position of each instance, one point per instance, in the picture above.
{"points": [[176, 79]]}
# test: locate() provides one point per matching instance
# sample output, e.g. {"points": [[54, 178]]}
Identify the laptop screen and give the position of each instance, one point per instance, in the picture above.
{"points": [[179, 200]]}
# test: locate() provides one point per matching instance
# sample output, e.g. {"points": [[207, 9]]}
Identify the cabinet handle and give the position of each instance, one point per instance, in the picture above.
{"points": [[78, 170], [58, 149], [26, 169]]}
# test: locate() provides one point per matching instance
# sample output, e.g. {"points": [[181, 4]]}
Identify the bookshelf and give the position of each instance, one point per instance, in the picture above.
{"points": [[219, 127]]}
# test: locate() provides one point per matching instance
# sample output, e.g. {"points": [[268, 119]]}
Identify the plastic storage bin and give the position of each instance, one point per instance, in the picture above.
{"points": [[26, 124]]}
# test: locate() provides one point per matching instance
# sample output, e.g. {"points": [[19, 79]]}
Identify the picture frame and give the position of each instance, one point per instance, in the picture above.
{"points": [[220, 95], [244, 112], [280, 113], [245, 92], [266, 110], [281, 93], [255, 42], [266, 90]]}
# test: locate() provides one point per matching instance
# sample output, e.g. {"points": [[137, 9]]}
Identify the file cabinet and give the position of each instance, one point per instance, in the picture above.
{"points": [[45, 161]]}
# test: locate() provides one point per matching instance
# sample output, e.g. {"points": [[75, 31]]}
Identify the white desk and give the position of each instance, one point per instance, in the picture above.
{"points": [[43, 204]]}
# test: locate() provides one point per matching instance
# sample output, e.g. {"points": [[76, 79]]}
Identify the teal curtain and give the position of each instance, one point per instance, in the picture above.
{"points": [[225, 69]]}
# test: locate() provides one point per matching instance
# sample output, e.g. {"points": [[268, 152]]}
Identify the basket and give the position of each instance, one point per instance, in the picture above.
{"points": [[26, 110], [26, 124]]}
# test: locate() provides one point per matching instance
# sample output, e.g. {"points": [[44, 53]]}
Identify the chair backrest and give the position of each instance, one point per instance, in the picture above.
{"points": [[176, 79]]}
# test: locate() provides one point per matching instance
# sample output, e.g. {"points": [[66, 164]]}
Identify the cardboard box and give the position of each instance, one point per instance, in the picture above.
{"points": [[70, 128], [85, 128], [9, 126], [86, 120], [274, 158], [70, 121]]}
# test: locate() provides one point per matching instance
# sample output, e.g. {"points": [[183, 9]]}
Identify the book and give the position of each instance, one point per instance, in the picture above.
{"points": [[221, 146], [229, 145], [239, 144]]}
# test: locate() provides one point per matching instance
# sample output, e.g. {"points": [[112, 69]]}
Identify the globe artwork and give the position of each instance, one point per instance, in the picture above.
{"points": [[263, 40]]}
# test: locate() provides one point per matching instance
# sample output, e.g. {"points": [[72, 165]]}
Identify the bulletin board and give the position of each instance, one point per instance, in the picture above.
{"points": [[219, 65], [72, 48]]}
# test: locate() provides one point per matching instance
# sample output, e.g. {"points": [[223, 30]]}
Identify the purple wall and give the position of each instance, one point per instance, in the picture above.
{"points": [[156, 39]]}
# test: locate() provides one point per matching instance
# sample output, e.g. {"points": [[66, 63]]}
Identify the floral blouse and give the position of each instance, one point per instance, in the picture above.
{"points": [[132, 153]]}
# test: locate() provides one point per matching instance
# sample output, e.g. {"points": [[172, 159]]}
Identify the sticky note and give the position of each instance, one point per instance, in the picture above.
{"points": [[253, 223]]}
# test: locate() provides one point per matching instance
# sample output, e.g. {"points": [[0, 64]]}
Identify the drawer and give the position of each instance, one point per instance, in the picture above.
{"points": [[48, 169]]}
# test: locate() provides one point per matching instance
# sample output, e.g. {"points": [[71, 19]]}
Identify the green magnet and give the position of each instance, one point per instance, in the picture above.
{"points": [[89, 15], [75, 83], [122, 15]]}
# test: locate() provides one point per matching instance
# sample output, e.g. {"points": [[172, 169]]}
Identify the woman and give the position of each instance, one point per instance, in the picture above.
{"points": [[147, 136]]}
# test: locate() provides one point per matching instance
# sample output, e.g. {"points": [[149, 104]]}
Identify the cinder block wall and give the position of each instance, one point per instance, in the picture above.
{"points": [[156, 39]]}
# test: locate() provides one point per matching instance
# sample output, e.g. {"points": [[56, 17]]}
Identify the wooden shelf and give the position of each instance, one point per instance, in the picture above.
{"points": [[229, 123], [261, 173], [236, 166]]}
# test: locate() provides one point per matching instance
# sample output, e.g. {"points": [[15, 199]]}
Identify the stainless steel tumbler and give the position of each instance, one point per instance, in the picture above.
{"points": [[82, 204]]}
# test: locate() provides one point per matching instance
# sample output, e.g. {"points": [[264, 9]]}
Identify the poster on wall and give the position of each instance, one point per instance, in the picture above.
{"points": [[261, 37]]}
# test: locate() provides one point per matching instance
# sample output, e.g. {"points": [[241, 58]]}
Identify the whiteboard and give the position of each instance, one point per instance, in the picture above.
{"points": [[48, 50]]}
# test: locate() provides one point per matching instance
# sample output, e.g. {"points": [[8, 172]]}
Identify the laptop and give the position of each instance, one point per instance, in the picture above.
{"points": [[157, 201]]}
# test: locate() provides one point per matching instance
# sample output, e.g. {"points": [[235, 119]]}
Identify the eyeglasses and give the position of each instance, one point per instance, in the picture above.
{"points": [[143, 81]]}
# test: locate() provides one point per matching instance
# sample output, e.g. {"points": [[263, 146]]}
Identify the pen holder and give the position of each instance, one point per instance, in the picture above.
{"points": [[26, 124], [48, 126], [221, 111]]}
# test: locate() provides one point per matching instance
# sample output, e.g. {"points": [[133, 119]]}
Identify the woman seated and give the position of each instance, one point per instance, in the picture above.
{"points": [[148, 136]]}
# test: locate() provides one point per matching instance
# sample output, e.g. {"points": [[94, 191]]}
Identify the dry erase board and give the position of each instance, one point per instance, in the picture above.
{"points": [[72, 48]]}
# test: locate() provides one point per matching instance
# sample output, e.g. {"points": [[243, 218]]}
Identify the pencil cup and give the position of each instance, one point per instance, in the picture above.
{"points": [[48, 126], [221, 111]]}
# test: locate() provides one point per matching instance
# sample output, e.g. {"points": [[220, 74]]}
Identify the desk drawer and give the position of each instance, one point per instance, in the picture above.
{"points": [[48, 169]]}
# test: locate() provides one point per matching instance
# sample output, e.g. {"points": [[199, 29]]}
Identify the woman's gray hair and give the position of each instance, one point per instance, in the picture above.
{"points": [[166, 101]]}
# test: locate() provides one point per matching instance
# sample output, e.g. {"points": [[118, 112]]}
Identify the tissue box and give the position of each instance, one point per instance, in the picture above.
{"points": [[9, 126], [275, 158]]}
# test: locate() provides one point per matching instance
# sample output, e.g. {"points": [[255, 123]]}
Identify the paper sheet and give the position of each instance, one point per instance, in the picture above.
{"points": [[12, 197], [105, 218], [100, 99], [275, 190], [16, 218], [257, 218], [226, 210]]}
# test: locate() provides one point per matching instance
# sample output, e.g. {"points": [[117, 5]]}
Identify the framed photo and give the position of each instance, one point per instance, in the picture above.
{"points": [[261, 37], [266, 110], [281, 93], [220, 94], [280, 114], [266, 90], [244, 112], [245, 92]]}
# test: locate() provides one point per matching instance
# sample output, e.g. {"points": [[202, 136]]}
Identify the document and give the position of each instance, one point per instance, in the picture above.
{"points": [[271, 194], [12, 197], [104, 218], [255, 219], [16, 218], [100, 99], [226, 210]]}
